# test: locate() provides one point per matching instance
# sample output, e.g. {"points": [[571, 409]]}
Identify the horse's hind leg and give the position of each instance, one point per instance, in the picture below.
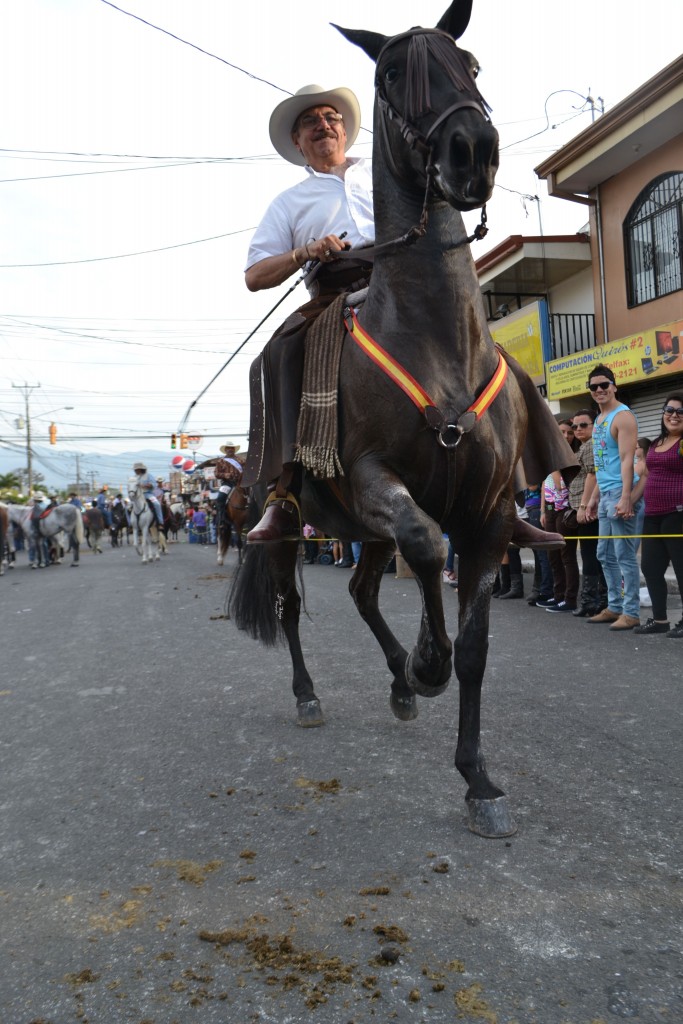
{"points": [[364, 589], [222, 542], [489, 815], [283, 558]]}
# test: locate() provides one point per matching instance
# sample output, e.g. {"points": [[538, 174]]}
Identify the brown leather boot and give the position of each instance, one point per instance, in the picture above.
{"points": [[524, 535], [280, 521]]}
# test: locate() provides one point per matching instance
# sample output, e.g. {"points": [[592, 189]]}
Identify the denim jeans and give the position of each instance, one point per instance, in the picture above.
{"points": [[617, 555], [543, 574]]}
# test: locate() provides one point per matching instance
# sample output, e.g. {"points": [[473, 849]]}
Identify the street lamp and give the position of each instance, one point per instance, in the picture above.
{"points": [[27, 389]]}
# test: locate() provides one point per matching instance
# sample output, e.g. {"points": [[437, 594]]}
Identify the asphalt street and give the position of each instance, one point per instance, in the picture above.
{"points": [[175, 849]]}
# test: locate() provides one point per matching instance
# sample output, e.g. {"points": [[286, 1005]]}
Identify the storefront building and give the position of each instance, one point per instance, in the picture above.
{"points": [[627, 170]]}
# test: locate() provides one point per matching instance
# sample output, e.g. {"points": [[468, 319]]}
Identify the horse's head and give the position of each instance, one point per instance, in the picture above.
{"points": [[429, 111], [134, 486]]}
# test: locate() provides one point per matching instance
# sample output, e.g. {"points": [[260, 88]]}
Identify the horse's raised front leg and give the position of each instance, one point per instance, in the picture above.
{"points": [[364, 589], [388, 510], [487, 805]]}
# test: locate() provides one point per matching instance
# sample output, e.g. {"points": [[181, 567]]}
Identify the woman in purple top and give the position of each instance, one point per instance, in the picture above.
{"points": [[199, 525], [662, 486]]}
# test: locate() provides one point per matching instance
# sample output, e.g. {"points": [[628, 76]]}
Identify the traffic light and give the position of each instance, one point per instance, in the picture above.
{"points": [[53, 434], [183, 440], [173, 440]]}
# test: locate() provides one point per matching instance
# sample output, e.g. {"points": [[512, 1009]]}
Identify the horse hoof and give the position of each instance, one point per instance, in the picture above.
{"points": [[404, 708], [490, 819], [310, 714], [419, 686]]}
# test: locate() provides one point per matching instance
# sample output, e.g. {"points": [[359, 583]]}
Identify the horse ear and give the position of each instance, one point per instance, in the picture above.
{"points": [[457, 18], [371, 42]]}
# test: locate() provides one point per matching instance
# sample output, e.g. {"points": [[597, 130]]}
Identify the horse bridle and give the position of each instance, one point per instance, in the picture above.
{"points": [[420, 141]]}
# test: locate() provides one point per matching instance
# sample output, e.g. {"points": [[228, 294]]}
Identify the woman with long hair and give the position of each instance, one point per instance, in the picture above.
{"points": [[661, 483]]}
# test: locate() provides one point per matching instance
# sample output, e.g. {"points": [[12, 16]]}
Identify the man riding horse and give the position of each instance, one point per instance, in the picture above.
{"points": [[228, 475], [305, 226], [148, 484]]}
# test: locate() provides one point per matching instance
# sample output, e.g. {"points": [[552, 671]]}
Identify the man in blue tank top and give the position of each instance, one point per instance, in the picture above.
{"points": [[615, 436]]}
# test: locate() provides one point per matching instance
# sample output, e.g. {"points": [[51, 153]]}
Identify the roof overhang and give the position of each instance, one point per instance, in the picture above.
{"points": [[529, 266], [647, 119]]}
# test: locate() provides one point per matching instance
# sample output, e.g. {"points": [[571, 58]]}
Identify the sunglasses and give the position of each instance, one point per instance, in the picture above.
{"points": [[602, 384], [673, 410], [581, 426]]}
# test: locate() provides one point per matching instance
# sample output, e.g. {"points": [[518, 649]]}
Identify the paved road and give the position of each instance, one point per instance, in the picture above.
{"points": [[174, 849]]}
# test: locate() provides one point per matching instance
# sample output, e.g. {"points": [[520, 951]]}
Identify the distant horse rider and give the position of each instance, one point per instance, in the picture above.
{"points": [[228, 475], [331, 210], [148, 483], [41, 504], [102, 504]]}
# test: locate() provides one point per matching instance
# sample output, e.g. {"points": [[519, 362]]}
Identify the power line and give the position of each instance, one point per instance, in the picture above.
{"points": [[110, 170], [123, 255], [135, 156], [194, 46]]}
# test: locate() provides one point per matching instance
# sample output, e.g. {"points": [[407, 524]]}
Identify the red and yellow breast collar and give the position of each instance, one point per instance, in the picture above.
{"points": [[416, 393]]}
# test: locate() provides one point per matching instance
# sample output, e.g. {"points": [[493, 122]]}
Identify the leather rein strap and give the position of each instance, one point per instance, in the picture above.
{"points": [[449, 434]]}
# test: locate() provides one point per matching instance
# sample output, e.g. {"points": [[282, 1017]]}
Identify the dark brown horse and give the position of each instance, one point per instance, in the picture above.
{"points": [[233, 520], [411, 475]]}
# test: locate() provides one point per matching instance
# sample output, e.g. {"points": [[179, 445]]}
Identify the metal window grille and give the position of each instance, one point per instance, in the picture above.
{"points": [[653, 229]]}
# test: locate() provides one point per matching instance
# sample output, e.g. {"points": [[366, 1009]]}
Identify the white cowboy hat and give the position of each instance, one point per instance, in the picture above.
{"points": [[139, 465], [284, 116], [225, 448], [39, 496]]}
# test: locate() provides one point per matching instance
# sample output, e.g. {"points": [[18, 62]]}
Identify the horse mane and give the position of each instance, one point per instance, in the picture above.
{"points": [[442, 47]]}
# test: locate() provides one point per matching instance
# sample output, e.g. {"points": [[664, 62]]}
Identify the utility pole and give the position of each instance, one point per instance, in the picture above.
{"points": [[591, 102], [27, 389], [78, 476]]}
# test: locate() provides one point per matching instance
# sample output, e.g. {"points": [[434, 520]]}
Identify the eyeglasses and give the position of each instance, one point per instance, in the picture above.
{"points": [[673, 410], [331, 117], [602, 384], [581, 426]]}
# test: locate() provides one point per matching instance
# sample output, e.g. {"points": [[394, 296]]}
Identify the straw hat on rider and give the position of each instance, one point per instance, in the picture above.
{"points": [[284, 117], [229, 448]]}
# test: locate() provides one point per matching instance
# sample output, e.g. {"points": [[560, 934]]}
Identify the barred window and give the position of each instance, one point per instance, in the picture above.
{"points": [[652, 240]]}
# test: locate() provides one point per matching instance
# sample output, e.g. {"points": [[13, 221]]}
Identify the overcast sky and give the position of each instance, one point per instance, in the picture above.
{"points": [[118, 139]]}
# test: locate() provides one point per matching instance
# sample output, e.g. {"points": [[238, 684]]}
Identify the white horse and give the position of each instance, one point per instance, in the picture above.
{"points": [[148, 539], [61, 518]]}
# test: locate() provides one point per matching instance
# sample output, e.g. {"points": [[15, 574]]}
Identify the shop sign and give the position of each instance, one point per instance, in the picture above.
{"points": [[525, 336], [651, 355]]}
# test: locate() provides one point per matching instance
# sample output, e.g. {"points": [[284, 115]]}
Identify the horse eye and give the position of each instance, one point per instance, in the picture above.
{"points": [[475, 70], [390, 75]]}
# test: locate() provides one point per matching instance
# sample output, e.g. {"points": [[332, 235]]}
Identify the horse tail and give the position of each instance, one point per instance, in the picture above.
{"points": [[78, 528], [252, 598]]}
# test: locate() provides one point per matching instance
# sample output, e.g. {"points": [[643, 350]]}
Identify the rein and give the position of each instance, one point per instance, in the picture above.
{"points": [[449, 434]]}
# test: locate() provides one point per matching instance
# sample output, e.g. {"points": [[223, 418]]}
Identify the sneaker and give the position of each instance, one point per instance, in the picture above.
{"points": [[677, 631], [561, 607], [652, 627], [546, 602], [448, 576]]}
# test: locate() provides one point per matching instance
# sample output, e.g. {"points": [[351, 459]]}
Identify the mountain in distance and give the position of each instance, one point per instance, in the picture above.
{"points": [[59, 467]]}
